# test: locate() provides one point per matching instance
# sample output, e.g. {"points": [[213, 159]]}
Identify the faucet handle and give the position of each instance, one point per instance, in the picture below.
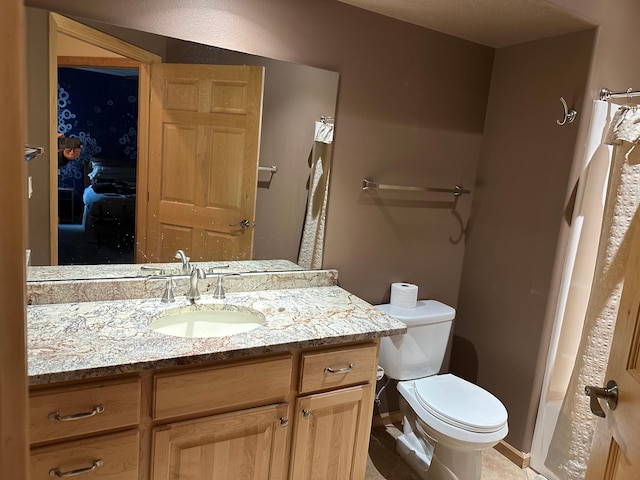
{"points": [[153, 268], [219, 291], [167, 296]]}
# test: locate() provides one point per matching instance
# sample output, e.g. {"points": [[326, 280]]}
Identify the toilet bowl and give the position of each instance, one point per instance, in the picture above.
{"points": [[447, 421]]}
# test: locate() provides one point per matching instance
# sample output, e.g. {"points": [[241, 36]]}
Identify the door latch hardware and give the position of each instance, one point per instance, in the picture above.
{"points": [[608, 393], [244, 224]]}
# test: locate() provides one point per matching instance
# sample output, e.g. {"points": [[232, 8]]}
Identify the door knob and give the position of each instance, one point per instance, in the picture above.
{"points": [[608, 393], [244, 224]]}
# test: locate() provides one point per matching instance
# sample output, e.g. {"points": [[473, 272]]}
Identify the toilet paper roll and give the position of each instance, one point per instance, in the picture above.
{"points": [[404, 295]]}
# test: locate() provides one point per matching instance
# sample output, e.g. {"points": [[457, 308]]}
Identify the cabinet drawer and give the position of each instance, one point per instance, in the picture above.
{"points": [[105, 457], [233, 386], [83, 409], [338, 368]]}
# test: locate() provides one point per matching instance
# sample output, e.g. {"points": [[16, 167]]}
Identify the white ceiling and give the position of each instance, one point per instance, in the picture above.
{"points": [[494, 23]]}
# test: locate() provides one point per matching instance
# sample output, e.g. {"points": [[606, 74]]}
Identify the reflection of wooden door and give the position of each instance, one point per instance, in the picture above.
{"points": [[204, 132], [616, 448]]}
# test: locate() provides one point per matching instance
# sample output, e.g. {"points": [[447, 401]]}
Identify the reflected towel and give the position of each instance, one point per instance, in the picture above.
{"points": [[312, 242], [324, 132]]}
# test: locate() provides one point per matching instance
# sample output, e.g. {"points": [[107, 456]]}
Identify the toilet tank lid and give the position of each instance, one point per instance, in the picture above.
{"points": [[425, 312]]}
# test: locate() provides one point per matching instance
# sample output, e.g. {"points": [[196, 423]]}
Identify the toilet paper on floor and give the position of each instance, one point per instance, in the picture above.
{"points": [[404, 295]]}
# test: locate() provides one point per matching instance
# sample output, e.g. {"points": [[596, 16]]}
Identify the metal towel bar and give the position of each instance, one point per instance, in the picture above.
{"points": [[456, 190], [272, 169]]}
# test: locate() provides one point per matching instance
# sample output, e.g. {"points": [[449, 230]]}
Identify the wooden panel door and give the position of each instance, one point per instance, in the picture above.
{"points": [[615, 453], [204, 134], [331, 435], [246, 444]]}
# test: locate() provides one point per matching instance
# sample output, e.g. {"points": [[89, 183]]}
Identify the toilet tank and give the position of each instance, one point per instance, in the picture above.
{"points": [[419, 352]]}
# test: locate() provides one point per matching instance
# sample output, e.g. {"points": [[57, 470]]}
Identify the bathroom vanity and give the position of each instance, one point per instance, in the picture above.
{"points": [[111, 398]]}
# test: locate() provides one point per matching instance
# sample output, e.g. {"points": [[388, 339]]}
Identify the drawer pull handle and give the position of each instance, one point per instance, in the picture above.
{"points": [[340, 370], [76, 416], [55, 472]]}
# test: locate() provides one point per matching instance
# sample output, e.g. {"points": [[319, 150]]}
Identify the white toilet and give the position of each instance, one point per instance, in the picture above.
{"points": [[447, 420]]}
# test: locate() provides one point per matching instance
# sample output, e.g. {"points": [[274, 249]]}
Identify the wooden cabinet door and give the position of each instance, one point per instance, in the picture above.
{"points": [[331, 434], [249, 444]]}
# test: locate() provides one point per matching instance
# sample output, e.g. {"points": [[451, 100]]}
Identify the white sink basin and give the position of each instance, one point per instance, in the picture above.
{"points": [[202, 321]]}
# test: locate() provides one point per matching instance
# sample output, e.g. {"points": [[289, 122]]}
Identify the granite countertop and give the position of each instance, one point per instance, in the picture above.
{"points": [[70, 341]]}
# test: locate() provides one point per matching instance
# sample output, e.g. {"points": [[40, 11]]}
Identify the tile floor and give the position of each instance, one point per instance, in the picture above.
{"points": [[384, 464]]}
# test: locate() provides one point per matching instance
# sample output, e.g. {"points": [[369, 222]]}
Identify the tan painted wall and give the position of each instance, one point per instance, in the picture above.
{"points": [[519, 203], [411, 110], [38, 133]]}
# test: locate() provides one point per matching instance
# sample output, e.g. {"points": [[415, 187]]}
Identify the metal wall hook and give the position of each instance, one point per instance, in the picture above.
{"points": [[569, 115]]}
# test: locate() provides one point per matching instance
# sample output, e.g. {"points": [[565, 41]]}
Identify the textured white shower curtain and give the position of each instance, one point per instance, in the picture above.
{"points": [[571, 442], [575, 286], [312, 242]]}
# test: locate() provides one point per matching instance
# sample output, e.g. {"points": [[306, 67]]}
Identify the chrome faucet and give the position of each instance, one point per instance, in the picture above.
{"points": [[186, 268], [193, 294]]}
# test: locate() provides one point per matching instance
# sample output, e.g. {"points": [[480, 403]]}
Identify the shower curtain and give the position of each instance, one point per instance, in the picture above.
{"points": [[577, 278], [571, 442], [312, 242]]}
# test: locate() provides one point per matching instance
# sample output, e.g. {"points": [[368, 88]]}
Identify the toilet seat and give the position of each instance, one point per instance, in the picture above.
{"points": [[460, 403], [449, 406]]}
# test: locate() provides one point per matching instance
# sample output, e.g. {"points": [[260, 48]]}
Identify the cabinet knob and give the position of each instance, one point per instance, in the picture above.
{"points": [[284, 421], [306, 413]]}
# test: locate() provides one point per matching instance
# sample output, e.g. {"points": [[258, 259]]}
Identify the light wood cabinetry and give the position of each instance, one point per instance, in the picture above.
{"points": [[331, 435], [105, 457], [246, 444], [94, 408], [228, 387], [91, 407], [338, 368], [304, 414]]}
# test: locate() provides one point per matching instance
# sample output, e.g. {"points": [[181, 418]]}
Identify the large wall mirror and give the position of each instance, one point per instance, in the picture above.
{"points": [[298, 100]]}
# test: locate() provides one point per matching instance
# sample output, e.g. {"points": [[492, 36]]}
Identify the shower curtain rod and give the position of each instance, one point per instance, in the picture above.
{"points": [[606, 94]]}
